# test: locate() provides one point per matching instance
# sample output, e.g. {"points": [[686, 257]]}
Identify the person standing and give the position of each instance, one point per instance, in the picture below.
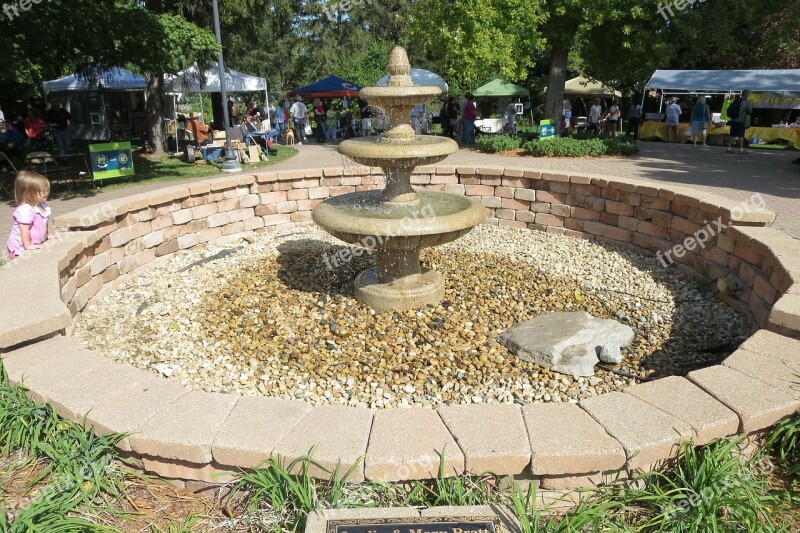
{"points": [[612, 117], [366, 118], [454, 112], [741, 108], [59, 118], [701, 118], [511, 118], [595, 112], [417, 114], [634, 119], [469, 116], [330, 124], [319, 121], [444, 118], [299, 114], [673, 119]]}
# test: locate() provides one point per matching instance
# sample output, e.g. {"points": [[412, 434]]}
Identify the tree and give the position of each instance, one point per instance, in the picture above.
{"points": [[158, 43], [474, 41]]}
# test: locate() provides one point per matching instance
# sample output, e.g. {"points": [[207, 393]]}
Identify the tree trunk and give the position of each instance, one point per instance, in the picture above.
{"points": [[155, 113], [555, 84]]}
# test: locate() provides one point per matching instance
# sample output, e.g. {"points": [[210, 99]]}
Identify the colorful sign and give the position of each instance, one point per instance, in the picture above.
{"points": [[111, 160], [546, 129], [775, 100]]}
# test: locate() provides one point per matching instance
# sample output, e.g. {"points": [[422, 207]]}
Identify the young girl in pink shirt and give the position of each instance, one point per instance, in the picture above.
{"points": [[31, 216]]}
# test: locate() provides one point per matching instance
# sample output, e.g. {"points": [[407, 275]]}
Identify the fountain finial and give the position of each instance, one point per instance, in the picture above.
{"points": [[399, 68]]}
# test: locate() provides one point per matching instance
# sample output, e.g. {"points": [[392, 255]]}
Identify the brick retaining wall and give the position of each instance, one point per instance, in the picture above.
{"points": [[203, 433]]}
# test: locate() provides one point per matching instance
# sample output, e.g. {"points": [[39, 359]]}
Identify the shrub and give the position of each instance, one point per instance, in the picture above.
{"points": [[497, 143], [586, 147], [566, 147]]}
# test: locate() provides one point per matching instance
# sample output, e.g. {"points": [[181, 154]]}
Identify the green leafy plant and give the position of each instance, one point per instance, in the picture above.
{"points": [[497, 143], [566, 147], [580, 147], [784, 443]]}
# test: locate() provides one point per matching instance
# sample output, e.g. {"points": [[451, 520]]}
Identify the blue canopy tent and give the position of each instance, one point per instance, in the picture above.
{"points": [[330, 87], [107, 105]]}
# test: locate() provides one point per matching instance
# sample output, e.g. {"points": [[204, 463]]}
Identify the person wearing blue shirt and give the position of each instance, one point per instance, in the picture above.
{"points": [[11, 140], [701, 118]]}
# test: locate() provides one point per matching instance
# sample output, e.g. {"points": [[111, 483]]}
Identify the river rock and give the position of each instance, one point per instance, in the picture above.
{"points": [[610, 353], [565, 342]]}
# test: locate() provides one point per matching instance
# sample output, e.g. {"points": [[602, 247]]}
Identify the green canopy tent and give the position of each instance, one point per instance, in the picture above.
{"points": [[499, 89]]}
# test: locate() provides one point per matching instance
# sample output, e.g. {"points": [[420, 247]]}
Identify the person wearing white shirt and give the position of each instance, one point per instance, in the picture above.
{"points": [[673, 118], [595, 113], [299, 113], [417, 115]]}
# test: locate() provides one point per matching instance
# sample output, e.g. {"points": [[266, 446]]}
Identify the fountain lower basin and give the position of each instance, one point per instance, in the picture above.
{"points": [[397, 233]]}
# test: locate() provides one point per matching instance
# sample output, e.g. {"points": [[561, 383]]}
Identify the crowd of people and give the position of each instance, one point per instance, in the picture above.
{"points": [[41, 131]]}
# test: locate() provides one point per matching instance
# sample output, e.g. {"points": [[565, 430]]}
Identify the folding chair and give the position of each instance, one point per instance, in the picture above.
{"points": [[8, 173]]}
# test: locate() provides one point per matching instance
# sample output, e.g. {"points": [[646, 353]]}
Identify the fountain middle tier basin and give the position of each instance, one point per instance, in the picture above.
{"points": [[416, 151], [397, 233], [437, 218]]}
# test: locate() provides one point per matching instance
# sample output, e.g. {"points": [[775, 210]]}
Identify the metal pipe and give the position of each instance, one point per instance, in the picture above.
{"points": [[231, 163]]}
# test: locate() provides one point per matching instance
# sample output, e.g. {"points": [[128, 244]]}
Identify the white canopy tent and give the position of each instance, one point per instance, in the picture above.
{"points": [[420, 77], [116, 79], [725, 82], [705, 81], [193, 80]]}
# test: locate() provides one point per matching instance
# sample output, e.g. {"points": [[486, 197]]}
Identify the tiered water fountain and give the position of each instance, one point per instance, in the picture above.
{"points": [[397, 222]]}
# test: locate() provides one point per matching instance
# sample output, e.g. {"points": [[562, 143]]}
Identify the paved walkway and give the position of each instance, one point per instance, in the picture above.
{"points": [[738, 177]]}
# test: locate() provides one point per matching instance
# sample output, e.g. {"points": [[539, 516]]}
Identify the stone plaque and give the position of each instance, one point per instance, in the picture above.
{"points": [[424, 524]]}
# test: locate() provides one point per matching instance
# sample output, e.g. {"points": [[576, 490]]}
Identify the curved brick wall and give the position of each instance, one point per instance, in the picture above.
{"points": [[192, 435]]}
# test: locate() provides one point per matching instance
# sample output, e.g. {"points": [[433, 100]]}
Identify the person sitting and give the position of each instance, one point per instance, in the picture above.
{"points": [[203, 134], [35, 128], [11, 140], [249, 128]]}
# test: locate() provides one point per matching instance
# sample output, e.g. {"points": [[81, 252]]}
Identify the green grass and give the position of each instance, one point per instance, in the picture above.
{"points": [[79, 484], [150, 169]]}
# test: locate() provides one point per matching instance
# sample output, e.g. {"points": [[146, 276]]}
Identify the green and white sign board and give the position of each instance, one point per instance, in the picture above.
{"points": [[547, 130], [111, 160]]}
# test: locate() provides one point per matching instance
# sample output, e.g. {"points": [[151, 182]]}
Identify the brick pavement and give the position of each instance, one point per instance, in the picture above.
{"points": [[738, 177]]}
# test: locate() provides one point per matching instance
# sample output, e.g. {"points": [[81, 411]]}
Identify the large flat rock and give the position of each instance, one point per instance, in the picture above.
{"points": [[566, 342]]}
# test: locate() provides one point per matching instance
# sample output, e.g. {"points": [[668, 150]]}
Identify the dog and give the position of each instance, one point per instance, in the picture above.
{"points": [[289, 136]]}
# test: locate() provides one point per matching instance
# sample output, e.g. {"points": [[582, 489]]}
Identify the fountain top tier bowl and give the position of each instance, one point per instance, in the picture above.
{"points": [[397, 222]]}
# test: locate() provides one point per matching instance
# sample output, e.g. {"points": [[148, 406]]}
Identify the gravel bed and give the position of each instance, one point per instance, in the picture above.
{"points": [[265, 315]]}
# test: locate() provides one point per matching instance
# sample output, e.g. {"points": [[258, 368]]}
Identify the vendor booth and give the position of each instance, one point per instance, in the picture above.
{"points": [[330, 87], [420, 76], [107, 106], [503, 93], [774, 90]]}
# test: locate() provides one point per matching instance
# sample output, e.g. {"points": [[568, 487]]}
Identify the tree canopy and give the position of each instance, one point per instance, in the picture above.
{"points": [[295, 42]]}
